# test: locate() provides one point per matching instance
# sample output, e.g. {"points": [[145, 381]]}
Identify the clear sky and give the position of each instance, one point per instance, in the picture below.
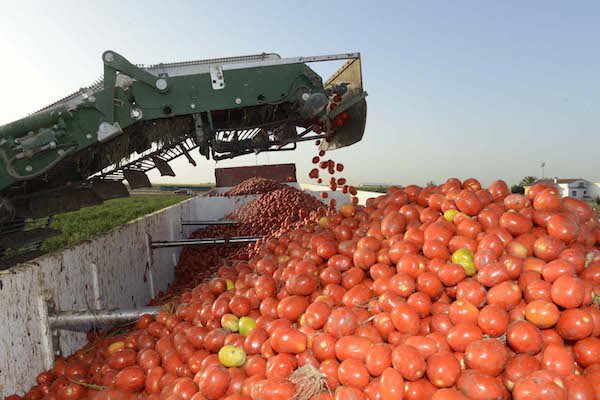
{"points": [[456, 88]]}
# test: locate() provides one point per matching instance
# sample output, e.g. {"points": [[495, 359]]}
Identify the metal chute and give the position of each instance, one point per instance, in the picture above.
{"points": [[347, 81]]}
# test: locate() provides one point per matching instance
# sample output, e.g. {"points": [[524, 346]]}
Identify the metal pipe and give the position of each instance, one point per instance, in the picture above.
{"points": [[224, 222], [205, 242], [76, 319]]}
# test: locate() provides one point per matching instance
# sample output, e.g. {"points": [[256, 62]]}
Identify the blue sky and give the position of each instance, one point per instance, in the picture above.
{"points": [[464, 88]]}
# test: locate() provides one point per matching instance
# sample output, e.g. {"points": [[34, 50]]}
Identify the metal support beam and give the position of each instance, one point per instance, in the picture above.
{"points": [[71, 320], [192, 222], [206, 242]]}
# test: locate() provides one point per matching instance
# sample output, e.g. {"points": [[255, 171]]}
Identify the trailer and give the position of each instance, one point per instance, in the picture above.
{"points": [[48, 304]]}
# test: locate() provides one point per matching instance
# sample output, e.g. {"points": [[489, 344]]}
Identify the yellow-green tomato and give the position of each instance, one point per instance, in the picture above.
{"points": [[230, 322], [469, 267], [246, 325], [230, 284], [450, 214], [323, 222], [464, 257], [461, 255], [232, 356]]}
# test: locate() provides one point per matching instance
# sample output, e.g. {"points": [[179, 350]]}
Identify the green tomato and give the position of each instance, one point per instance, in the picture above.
{"points": [[461, 255], [232, 356], [230, 284], [246, 325], [450, 214], [323, 222], [469, 267], [464, 257]]}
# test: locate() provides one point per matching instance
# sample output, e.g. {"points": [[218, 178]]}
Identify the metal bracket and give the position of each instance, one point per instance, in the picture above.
{"points": [[216, 76], [114, 63], [107, 131], [117, 62], [77, 320], [50, 345], [206, 242], [206, 223]]}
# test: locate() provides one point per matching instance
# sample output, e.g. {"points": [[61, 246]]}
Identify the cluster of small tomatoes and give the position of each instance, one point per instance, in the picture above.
{"points": [[278, 206], [276, 209], [447, 292], [255, 185]]}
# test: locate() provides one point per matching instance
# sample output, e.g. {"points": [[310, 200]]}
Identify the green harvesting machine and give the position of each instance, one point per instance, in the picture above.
{"points": [[78, 151]]}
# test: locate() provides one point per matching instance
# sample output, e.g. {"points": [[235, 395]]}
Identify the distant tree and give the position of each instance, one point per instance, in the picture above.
{"points": [[528, 181], [431, 183], [517, 189]]}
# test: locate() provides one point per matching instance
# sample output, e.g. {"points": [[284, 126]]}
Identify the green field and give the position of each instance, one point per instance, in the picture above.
{"points": [[89, 222]]}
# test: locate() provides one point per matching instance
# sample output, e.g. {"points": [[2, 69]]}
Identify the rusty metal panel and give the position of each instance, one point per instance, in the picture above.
{"points": [[235, 175]]}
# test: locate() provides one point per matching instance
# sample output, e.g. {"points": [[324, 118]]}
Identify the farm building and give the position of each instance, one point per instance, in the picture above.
{"points": [[573, 187]]}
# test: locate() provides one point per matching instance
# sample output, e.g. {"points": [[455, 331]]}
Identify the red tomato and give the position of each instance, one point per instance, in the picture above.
{"points": [[443, 370], [405, 319], [568, 291], [378, 359], [353, 373], [542, 314], [392, 385], [515, 223], [493, 320], [354, 347], [524, 337], [468, 202], [214, 381], [486, 355], [587, 351], [280, 366], [409, 362], [478, 386], [288, 340], [341, 322], [540, 384], [519, 367], [559, 359], [547, 199], [575, 324]]}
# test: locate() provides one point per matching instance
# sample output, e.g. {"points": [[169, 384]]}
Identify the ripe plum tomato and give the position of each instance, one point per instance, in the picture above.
{"points": [[443, 369]]}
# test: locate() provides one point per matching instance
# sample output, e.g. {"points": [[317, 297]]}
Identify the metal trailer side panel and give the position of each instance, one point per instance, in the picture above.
{"points": [[20, 330]]}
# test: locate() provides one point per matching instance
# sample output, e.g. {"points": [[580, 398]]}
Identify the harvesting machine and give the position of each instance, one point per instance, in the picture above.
{"points": [[78, 151]]}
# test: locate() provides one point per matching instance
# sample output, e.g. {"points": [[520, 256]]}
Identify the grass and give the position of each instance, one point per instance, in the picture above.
{"points": [[86, 223]]}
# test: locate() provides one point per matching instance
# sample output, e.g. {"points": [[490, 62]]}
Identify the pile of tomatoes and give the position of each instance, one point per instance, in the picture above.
{"points": [[447, 292], [254, 185], [263, 216], [277, 209]]}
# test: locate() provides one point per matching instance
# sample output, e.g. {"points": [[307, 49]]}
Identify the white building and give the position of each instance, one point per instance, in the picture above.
{"points": [[574, 187]]}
